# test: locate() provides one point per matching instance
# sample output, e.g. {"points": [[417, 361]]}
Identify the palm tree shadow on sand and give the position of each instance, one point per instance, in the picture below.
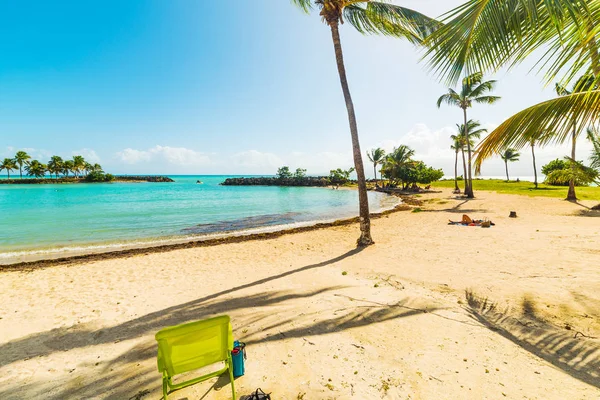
{"points": [[572, 352]]}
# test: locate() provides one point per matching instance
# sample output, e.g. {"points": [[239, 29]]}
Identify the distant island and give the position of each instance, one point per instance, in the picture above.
{"points": [[285, 177], [81, 170]]}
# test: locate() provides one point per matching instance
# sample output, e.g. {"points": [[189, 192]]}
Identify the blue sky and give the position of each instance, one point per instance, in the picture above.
{"points": [[202, 87]]}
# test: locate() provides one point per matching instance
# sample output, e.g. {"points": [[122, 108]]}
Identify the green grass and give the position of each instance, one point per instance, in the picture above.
{"points": [[524, 188]]}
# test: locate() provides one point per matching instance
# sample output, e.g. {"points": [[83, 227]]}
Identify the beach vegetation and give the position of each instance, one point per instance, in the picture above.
{"points": [[55, 165], [573, 173], [368, 17], [36, 169], [340, 176], [284, 173], [526, 188], [99, 176], [300, 173], [594, 137], [8, 165], [473, 90], [509, 155], [554, 165], [21, 158], [401, 170], [377, 157]]}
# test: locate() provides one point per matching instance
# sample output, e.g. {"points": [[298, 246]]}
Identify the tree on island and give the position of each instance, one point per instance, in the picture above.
{"points": [[78, 165], [67, 167], [36, 169], [55, 165], [8, 165], [340, 176], [22, 158], [473, 89], [367, 17], [377, 157], [509, 155]]}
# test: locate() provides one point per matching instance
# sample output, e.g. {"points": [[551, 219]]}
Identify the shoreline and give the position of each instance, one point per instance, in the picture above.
{"points": [[230, 237]]}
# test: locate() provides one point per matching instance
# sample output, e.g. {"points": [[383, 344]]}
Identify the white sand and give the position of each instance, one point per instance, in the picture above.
{"points": [[396, 326]]}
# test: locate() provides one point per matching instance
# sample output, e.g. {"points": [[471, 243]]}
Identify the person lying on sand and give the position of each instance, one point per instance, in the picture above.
{"points": [[467, 221]]}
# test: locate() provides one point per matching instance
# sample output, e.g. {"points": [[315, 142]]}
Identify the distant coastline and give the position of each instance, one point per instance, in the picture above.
{"points": [[125, 178]]}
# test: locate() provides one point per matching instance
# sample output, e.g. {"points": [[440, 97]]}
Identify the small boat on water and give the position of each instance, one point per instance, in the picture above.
{"points": [[199, 182]]}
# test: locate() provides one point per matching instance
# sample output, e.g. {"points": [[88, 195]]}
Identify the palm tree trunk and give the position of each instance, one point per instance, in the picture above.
{"points": [[375, 173], [456, 171], [465, 170], [21, 170], [469, 188], [571, 195], [506, 166], [535, 182], [365, 221]]}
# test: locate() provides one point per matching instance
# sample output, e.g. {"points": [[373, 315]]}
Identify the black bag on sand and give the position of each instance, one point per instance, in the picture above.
{"points": [[260, 395]]}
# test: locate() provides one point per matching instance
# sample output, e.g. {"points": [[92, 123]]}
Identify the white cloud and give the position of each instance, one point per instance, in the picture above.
{"points": [[179, 156], [89, 155]]}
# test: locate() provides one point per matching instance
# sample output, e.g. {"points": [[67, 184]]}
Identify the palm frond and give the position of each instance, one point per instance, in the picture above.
{"points": [[486, 99], [485, 35], [304, 5], [594, 137], [558, 116], [390, 20], [451, 98]]}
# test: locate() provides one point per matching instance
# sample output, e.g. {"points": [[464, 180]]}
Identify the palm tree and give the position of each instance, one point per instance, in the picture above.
{"points": [[473, 132], [473, 89], [67, 167], [396, 160], [485, 35], [509, 155], [457, 147], [376, 156], [36, 168], [56, 165], [8, 164], [594, 137], [21, 158], [367, 17], [96, 168], [78, 165]]}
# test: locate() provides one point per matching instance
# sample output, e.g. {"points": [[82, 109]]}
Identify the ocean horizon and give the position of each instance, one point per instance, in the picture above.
{"points": [[59, 220]]}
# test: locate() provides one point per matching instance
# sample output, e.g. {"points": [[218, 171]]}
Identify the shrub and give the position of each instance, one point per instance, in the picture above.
{"points": [[554, 165], [99, 176]]}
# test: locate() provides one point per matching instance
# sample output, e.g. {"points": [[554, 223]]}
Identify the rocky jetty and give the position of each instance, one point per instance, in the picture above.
{"points": [[151, 178], [318, 181]]}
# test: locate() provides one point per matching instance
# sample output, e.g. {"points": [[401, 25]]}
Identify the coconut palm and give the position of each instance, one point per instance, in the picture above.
{"points": [[8, 165], [473, 132], [457, 147], [376, 156], [509, 155], [484, 35], [22, 158], [396, 160], [97, 168], [78, 165], [67, 167], [594, 137], [473, 89], [367, 17], [36, 168], [56, 165]]}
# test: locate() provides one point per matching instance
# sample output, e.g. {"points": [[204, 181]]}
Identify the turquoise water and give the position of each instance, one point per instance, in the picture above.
{"points": [[46, 221]]}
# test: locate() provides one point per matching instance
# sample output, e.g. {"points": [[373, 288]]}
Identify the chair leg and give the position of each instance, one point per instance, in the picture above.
{"points": [[165, 388], [230, 362]]}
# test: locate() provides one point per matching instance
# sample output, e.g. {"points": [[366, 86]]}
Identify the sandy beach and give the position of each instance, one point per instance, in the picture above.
{"points": [[431, 311]]}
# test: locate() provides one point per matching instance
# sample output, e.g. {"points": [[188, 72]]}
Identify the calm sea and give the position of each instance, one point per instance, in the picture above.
{"points": [[48, 221]]}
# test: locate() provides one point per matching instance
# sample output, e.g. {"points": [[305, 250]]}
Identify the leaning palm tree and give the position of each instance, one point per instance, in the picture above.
{"points": [[56, 165], [22, 158], [376, 156], [484, 35], [78, 165], [96, 168], [36, 168], [509, 155], [8, 164], [68, 167], [367, 17], [473, 89]]}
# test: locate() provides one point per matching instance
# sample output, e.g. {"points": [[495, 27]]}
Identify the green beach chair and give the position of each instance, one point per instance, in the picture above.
{"points": [[187, 347]]}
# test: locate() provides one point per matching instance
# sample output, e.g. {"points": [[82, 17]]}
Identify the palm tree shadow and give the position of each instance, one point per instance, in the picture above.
{"points": [[457, 208], [577, 356]]}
